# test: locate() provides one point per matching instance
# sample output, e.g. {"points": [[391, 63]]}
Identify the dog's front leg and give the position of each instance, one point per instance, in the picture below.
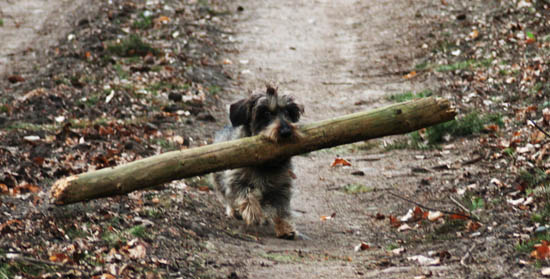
{"points": [[250, 207]]}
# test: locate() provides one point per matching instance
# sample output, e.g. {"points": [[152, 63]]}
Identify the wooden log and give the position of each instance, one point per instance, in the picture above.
{"points": [[391, 120]]}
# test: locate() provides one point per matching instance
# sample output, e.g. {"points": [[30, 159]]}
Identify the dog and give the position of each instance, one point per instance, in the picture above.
{"points": [[261, 193]]}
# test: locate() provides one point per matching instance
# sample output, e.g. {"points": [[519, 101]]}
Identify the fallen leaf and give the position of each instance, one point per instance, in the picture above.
{"points": [[458, 217], [59, 258], [15, 79], [545, 271], [28, 188], [474, 34], [418, 214], [4, 188], [423, 260], [340, 162], [407, 217], [472, 226], [398, 251], [491, 128], [410, 75], [324, 218], [361, 247], [138, 252], [541, 251], [10, 226], [161, 20], [404, 227], [31, 138], [394, 222], [204, 189], [434, 215]]}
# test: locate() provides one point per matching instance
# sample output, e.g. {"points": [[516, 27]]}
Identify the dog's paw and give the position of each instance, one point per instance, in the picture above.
{"points": [[288, 235], [284, 229]]}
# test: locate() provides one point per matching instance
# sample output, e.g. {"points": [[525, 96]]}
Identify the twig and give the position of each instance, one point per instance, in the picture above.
{"points": [[538, 127], [19, 257], [468, 254], [433, 209], [464, 208]]}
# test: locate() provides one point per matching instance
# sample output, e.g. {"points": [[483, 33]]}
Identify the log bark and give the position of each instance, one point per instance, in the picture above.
{"points": [[391, 120]]}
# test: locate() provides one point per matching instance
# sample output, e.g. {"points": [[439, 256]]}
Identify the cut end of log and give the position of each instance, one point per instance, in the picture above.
{"points": [[59, 192]]}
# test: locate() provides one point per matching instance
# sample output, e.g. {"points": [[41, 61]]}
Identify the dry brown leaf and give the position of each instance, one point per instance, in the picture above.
{"points": [[340, 162], [394, 222], [324, 218], [410, 75], [541, 251], [138, 252], [474, 34], [472, 226]]}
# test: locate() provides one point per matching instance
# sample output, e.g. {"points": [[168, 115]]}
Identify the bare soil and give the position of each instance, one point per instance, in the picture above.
{"points": [[91, 108]]}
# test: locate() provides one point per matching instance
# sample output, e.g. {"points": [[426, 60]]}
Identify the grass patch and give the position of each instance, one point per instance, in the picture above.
{"points": [[1, 22], [464, 65], [279, 257], [214, 89], [355, 189], [528, 246], [139, 231], [407, 96], [121, 73], [143, 21], [535, 178], [131, 46], [472, 123]]}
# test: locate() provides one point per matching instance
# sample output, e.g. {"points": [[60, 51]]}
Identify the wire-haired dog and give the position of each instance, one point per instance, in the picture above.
{"points": [[261, 192]]}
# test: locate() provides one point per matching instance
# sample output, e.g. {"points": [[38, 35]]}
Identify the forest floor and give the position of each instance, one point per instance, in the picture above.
{"points": [[96, 85]]}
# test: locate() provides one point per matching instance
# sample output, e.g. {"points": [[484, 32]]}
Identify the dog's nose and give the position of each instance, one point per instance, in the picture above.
{"points": [[285, 132]]}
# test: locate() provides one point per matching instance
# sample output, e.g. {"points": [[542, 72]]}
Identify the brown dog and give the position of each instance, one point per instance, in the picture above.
{"points": [[261, 192]]}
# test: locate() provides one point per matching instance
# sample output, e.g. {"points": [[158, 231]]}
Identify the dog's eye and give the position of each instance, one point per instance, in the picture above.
{"points": [[292, 113]]}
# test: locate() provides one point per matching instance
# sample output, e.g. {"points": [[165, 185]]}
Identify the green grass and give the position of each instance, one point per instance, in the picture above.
{"points": [[214, 89], [143, 22], [528, 246], [139, 231], [1, 22], [472, 123], [537, 177], [470, 64], [113, 239], [121, 73], [131, 46], [355, 189], [279, 257], [407, 96]]}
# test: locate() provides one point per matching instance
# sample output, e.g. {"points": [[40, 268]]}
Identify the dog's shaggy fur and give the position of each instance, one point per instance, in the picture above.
{"points": [[262, 192]]}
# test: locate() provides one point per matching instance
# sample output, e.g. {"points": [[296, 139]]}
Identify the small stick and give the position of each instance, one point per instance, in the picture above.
{"points": [[19, 257], [464, 208], [538, 127], [468, 254], [432, 209]]}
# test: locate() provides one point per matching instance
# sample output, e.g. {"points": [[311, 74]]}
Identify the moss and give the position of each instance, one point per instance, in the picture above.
{"points": [[133, 45]]}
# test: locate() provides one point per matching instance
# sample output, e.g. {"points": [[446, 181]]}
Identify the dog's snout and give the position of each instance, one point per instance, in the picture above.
{"points": [[285, 131]]}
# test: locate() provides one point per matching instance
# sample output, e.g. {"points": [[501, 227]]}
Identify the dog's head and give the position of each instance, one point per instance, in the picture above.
{"points": [[267, 114]]}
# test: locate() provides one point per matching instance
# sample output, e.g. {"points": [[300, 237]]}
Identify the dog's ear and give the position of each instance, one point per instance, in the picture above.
{"points": [[239, 112], [295, 110]]}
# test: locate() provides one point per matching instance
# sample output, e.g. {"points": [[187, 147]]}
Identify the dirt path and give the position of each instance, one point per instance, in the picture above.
{"points": [[30, 27], [336, 57]]}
